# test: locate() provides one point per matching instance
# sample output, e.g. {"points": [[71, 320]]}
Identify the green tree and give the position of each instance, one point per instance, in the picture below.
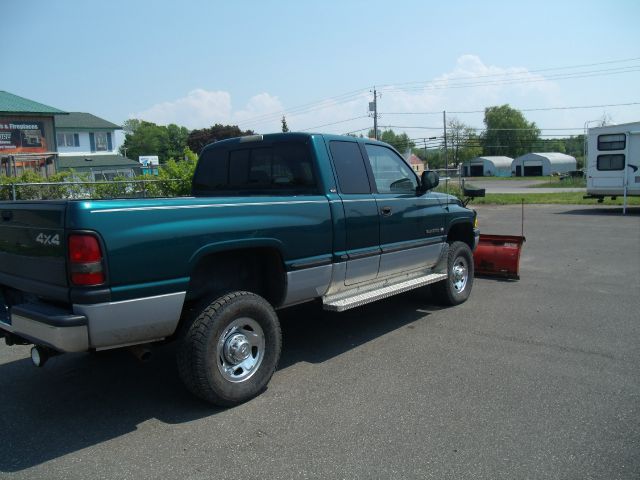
{"points": [[176, 141], [462, 142], [147, 138], [400, 142], [508, 132], [285, 127], [198, 139]]}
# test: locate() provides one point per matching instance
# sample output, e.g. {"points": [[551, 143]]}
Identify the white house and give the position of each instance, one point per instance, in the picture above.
{"points": [[542, 164], [86, 143], [489, 166]]}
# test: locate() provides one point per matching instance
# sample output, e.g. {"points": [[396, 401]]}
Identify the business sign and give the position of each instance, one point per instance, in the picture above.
{"points": [[149, 160], [19, 136]]}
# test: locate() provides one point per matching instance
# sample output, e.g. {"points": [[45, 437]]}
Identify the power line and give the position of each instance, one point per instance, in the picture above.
{"points": [[333, 123], [348, 96], [575, 107], [625, 60], [484, 128], [446, 84]]}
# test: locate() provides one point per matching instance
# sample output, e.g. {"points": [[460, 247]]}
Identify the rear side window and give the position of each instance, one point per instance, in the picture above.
{"points": [[350, 168], [213, 170], [616, 141], [281, 168], [611, 162]]}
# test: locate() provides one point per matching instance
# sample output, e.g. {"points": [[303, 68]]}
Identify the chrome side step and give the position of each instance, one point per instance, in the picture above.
{"points": [[341, 302]]}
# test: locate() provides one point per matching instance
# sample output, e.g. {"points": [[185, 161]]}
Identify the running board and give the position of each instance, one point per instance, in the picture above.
{"points": [[340, 303]]}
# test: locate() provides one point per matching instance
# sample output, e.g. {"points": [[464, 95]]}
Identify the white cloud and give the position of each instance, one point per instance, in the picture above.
{"points": [[202, 108], [470, 85]]}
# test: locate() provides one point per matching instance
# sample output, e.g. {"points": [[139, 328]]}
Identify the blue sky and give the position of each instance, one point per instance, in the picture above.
{"points": [[196, 63]]}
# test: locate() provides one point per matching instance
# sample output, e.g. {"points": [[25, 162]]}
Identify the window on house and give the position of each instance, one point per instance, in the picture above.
{"points": [[101, 142], [68, 140], [611, 162], [616, 141]]}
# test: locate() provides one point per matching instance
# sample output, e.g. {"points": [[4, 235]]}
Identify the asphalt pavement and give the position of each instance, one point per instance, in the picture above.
{"points": [[537, 378]]}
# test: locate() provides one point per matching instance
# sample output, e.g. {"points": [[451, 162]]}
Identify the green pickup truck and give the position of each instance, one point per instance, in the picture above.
{"points": [[273, 221]]}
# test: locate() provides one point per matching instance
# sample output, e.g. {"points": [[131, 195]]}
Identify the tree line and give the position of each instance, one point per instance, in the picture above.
{"points": [[506, 133]]}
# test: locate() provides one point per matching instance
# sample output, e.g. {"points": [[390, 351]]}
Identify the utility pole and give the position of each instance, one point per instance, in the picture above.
{"points": [[444, 123], [373, 107]]}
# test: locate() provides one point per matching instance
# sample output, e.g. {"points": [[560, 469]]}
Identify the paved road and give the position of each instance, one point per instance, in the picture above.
{"points": [[537, 379], [518, 186]]}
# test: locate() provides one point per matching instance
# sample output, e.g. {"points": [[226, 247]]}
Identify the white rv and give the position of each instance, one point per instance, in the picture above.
{"points": [[613, 161]]}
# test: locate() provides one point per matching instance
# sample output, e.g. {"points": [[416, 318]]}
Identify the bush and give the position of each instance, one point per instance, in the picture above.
{"points": [[23, 192], [173, 179]]}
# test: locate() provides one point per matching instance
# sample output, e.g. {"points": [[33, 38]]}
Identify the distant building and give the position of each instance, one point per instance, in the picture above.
{"points": [[27, 136], [37, 137], [416, 164], [86, 145], [488, 166], [542, 164]]}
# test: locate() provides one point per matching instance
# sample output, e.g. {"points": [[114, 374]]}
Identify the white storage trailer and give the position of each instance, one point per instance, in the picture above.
{"points": [[613, 161]]}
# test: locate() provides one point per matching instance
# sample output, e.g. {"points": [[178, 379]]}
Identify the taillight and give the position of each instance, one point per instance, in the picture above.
{"points": [[85, 260]]}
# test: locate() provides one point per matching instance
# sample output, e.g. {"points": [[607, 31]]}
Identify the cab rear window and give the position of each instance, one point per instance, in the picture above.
{"points": [[279, 168]]}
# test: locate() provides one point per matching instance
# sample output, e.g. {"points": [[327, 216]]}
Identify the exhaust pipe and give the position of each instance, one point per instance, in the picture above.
{"points": [[40, 355], [141, 352]]}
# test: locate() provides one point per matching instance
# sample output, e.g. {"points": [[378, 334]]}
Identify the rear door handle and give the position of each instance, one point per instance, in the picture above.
{"points": [[386, 211]]}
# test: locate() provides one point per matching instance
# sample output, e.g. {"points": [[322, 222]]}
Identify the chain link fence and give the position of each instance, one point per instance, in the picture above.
{"points": [[95, 190]]}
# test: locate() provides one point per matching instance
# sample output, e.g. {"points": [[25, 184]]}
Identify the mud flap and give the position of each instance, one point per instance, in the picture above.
{"points": [[441, 266]]}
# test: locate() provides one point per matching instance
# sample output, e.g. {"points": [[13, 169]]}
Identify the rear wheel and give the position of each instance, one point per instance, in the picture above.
{"points": [[231, 349], [457, 287]]}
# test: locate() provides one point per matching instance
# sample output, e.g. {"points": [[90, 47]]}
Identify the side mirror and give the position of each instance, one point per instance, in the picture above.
{"points": [[428, 181]]}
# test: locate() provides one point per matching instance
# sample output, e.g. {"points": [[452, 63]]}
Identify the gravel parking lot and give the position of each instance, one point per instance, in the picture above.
{"points": [[537, 378]]}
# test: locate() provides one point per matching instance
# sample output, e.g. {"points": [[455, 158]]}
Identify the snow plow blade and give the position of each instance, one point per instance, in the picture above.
{"points": [[498, 256]]}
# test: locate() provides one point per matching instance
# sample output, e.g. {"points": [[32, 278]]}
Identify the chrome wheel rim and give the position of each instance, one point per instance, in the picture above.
{"points": [[459, 274], [240, 350]]}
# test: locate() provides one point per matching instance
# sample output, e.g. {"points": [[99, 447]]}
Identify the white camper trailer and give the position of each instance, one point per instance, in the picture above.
{"points": [[613, 161]]}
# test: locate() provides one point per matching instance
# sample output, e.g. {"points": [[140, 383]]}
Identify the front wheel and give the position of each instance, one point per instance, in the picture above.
{"points": [[457, 287], [231, 349]]}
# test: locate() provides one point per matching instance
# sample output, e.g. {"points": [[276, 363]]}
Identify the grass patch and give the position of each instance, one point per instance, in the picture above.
{"points": [[518, 179]]}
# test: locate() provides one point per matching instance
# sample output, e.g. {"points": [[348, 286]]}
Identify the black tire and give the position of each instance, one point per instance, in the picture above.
{"points": [[457, 287], [230, 350]]}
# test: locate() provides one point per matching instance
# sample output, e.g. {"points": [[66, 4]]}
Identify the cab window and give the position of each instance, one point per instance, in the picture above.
{"points": [[390, 172]]}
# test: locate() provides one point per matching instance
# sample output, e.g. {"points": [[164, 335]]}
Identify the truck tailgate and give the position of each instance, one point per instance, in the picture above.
{"points": [[32, 247]]}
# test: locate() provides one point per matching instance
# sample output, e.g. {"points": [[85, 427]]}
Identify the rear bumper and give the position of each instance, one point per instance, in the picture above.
{"points": [[96, 326], [44, 325]]}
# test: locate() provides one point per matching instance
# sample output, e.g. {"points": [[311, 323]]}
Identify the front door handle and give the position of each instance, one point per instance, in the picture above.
{"points": [[386, 211]]}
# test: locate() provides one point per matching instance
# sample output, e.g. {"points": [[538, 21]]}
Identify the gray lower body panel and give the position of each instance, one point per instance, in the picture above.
{"points": [[127, 322], [307, 284], [101, 325]]}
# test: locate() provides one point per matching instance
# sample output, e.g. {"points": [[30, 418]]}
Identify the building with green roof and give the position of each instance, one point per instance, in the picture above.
{"points": [[86, 144], [27, 135], [35, 136]]}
